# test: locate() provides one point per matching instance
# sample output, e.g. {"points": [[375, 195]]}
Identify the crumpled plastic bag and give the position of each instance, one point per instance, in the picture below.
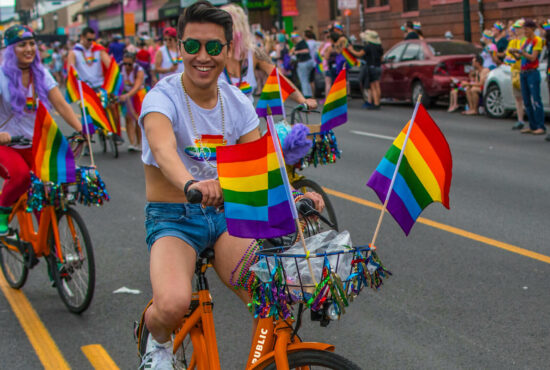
{"points": [[296, 268]]}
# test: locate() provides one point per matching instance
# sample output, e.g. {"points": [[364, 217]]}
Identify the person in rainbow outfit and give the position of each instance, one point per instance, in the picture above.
{"points": [[516, 34], [245, 58], [23, 82]]}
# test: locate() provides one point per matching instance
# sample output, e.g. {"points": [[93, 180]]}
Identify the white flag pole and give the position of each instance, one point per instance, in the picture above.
{"points": [[385, 206], [85, 116], [280, 95], [284, 175]]}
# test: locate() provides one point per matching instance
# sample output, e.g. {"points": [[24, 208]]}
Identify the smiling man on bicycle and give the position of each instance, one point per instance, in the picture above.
{"points": [[184, 117]]}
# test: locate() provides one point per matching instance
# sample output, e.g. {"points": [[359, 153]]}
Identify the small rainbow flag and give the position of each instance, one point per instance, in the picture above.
{"points": [[205, 148], [112, 82], [72, 93], [92, 104], [350, 58], [53, 157], [245, 87], [256, 199], [509, 60], [274, 94], [424, 174], [137, 100], [335, 110]]}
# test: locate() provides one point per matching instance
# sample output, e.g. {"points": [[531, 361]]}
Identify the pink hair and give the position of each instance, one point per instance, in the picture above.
{"points": [[18, 93]]}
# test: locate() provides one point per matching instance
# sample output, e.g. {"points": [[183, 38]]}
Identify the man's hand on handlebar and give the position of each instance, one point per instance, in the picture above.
{"points": [[317, 199], [211, 192], [5, 138], [311, 103]]}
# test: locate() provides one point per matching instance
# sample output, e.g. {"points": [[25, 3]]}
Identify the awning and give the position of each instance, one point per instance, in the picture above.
{"points": [[169, 10]]}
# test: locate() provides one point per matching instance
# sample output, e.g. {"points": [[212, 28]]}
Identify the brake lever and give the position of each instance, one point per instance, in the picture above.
{"points": [[306, 209]]}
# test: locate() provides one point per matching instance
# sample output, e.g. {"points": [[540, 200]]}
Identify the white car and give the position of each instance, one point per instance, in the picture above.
{"points": [[498, 97]]}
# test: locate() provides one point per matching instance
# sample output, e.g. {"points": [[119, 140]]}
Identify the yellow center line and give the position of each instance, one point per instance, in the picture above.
{"points": [[98, 357], [43, 344], [450, 229]]}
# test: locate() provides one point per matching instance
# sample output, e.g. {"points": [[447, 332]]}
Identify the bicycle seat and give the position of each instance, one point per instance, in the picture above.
{"points": [[208, 253]]}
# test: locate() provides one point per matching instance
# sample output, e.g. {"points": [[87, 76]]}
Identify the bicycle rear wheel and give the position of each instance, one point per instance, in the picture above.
{"points": [[113, 145], [75, 276], [312, 359], [12, 257], [305, 185]]}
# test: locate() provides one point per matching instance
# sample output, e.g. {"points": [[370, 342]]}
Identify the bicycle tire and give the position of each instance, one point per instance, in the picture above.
{"points": [[77, 267], [305, 185], [13, 263], [324, 359]]}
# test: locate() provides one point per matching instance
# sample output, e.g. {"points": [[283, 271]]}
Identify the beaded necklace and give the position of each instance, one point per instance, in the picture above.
{"points": [[204, 150]]}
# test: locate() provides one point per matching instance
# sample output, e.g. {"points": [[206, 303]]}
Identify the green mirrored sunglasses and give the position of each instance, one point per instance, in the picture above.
{"points": [[213, 47]]}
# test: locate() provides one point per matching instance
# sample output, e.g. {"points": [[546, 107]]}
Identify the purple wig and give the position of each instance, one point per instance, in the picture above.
{"points": [[18, 93]]}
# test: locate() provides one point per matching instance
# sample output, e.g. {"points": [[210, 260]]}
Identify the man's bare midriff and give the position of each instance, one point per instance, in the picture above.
{"points": [[159, 189]]}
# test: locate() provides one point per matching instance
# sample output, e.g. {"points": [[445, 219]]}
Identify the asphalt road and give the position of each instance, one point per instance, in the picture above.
{"points": [[470, 286]]}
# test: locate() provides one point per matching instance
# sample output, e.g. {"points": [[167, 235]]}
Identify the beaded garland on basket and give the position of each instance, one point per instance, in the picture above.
{"points": [[88, 190], [324, 150]]}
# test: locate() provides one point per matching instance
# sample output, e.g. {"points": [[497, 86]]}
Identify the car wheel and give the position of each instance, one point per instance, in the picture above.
{"points": [[417, 90], [494, 105]]}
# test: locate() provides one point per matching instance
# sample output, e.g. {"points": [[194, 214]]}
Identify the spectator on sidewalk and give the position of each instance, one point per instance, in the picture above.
{"points": [[409, 31], [529, 52], [500, 40], [116, 48], [546, 28], [489, 51], [305, 63], [373, 58], [516, 34], [475, 87]]}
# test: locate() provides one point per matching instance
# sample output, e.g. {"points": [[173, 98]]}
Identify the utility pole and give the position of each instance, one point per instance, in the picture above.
{"points": [[467, 22], [144, 10]]}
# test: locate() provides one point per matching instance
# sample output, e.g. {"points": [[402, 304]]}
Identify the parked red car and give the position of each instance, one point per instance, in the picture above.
{"points": [[426, 67]]}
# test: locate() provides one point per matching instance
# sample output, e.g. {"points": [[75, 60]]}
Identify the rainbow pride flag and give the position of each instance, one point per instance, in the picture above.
{"points": [[137, 100], [275, 92], [350, 58], [113, 83], [257, 201], [335, 110], [424, 174], [53, 157], [319, 62]]}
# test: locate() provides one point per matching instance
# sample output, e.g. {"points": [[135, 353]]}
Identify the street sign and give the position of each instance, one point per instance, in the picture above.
{"points": [[347, 4]]}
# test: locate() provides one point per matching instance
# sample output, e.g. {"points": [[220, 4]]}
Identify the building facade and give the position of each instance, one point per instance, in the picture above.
{"points": [[436, 16]]}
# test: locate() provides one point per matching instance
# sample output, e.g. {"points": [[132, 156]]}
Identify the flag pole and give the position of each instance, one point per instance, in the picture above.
{"points": [[286, 182], [280, 96], [385, 206], [85, 122]]}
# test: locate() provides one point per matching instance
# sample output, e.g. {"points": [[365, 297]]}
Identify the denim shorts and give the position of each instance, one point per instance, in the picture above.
{"points": [[199, 227]]}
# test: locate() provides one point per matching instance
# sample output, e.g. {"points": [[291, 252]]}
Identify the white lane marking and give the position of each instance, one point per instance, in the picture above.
{"points": [[362, 133]]}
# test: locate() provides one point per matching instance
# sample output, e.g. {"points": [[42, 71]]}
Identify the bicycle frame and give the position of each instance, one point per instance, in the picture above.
{"points": [[39, 239], [272, 338]]}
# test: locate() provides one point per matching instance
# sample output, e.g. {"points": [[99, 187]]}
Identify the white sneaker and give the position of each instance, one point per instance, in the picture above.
{"points": [[158, 356]]}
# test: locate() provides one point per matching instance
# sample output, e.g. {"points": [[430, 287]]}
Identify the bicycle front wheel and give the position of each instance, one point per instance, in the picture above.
{"points": [[113, 145], [74, 272], [313, 359], [305, 185], [12, 260]]}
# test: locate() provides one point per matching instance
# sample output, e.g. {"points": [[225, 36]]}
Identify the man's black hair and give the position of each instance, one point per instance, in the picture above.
{"points": [[478, 58], [309, 34], [204, 12], [409, 24], [87, 30]]}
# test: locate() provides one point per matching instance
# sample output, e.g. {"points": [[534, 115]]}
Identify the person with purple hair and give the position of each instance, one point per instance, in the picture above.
{"points": [[23, 82]]}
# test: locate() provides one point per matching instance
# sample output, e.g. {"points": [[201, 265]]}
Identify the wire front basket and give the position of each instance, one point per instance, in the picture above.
{"points": [[283, 275]]}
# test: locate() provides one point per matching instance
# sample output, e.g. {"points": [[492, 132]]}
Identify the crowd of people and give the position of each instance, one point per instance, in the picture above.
{"points": [[519, 44]]}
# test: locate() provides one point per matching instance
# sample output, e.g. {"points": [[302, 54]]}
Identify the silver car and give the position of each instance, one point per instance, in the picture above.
{"points": [[498, 96]]}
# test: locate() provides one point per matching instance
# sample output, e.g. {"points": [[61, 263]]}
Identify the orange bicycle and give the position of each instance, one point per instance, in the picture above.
{"points": [[275, 344], [57, 233]]}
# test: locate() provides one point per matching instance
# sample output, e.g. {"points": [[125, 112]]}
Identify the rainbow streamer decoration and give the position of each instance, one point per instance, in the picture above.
{"points": [[137, 100], [509, 60], [205, 148], [424, 173], [113, 83], [29, 104], [53, 157], [335, 110], [245, 87], [350, 58], [257, 201], [275, 92], [319, 62]]}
